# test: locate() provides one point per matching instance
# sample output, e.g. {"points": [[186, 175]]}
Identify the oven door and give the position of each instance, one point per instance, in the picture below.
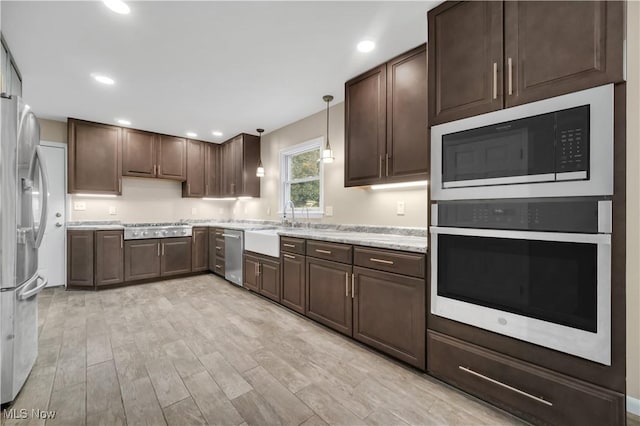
{"points": [[547, 288]]}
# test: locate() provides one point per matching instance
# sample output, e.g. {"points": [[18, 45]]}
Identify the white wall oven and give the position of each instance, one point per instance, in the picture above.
{"points": [[521, 228]]}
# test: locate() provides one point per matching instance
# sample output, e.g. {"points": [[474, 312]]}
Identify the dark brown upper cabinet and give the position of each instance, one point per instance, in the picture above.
{"points": [[212, 170], [151, 155], [109, 268], [94, 158], [239, 161], [486, 55], [386, 122], [139, 153], [172, 158], [195, 186], [553, 48]]}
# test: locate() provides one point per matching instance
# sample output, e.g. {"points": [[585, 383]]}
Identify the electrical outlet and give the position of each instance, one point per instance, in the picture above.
{"points": [[194, 211], [400, 208], [79, 205], [112, 211], [328, 211]]}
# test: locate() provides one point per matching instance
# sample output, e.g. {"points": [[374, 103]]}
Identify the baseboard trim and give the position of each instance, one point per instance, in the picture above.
{"points": [[633, 405]]}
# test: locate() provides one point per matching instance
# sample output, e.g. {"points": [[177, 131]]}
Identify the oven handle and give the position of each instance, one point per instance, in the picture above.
{"points": [[525, 235]]}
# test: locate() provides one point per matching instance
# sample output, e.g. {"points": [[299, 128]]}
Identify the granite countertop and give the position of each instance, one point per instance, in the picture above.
{"points": [[413, 243], [94, 226], [238, 226]]}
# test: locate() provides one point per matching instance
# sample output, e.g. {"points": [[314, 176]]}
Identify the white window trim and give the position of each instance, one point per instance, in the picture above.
{"points": [[301, 212]]}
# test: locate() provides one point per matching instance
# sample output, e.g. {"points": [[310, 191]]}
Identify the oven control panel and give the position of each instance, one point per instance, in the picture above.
{"points": [[560, 215]]}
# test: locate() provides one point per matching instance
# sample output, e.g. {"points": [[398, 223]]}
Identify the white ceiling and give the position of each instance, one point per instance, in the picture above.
{"points": [[201, 66]]}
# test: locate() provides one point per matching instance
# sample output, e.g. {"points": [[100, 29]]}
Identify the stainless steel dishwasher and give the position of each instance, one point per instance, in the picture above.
{"points": [[233, 249]]}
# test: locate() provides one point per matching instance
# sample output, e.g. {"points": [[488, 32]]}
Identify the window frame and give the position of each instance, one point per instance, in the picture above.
{"points": [[284, 193]]}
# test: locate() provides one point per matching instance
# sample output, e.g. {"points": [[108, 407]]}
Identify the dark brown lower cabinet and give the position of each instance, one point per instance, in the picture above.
{"points": [[80, 259], [175, 256], [262, 275], [109, 263], [292, 293], [536, 394], [200, 249], [141, 259], [216, 251], [389, 313], [328, 295]]}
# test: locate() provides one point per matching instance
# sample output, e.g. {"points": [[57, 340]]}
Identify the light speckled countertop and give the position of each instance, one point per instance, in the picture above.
{"points": [[94, 225], [238, 226]]}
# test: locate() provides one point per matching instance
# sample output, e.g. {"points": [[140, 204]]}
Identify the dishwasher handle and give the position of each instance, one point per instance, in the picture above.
{"points": [[237, 237]]}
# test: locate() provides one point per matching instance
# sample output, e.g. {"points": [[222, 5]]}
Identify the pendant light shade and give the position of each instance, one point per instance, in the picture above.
{"points": [[327, 152], [260, 169]]}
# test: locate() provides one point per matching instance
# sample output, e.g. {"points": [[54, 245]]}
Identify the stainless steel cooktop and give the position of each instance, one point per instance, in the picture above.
{"points": [[141, 231]]}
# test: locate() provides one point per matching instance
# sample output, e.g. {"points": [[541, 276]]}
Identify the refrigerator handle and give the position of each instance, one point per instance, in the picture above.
{"points": [[26, 294], [44, 191]]}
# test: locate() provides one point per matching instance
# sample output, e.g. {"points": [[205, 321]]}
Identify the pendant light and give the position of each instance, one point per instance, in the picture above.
{"points": [[327, 152], [260, 169]]}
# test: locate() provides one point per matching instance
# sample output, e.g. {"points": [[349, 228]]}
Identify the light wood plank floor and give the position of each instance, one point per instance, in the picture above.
{"points": [[202, 351]]}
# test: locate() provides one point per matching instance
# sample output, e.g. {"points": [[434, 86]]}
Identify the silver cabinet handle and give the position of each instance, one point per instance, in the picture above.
{"points": [[510, 76], [511, 388], [380, 169], [289, 245], [163, 249], [158, 249], [386, 164], [353, 287], [386, 262], [323, 251], [288, 256], [154, 169], [218, 248], [346, 284], [495, 80], [121, 241], [218, 267]]}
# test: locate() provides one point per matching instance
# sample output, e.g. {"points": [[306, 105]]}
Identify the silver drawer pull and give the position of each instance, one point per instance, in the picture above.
{"points": [[511, 388], [323, 251], [386, 262], [289, 245], [288, 256], [218, 267], [218, 248], [346, 284]]}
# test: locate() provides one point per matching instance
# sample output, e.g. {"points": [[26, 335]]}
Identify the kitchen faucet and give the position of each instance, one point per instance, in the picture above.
{"points": [[293, 212]]}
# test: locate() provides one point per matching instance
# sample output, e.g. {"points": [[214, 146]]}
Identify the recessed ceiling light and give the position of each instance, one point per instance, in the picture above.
{"points": [[123, 122], [366, 46], [217, 133], [118, 6], [103, 79], [192, 134]]}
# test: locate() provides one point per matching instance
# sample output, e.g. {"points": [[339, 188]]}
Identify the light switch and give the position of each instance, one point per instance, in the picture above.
{"points": [[328, 211], [112, 210], [79, 205], [400, 208]]}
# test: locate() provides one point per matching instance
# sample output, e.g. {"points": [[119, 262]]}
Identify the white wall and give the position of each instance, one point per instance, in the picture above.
{"points": [[350, 205]]}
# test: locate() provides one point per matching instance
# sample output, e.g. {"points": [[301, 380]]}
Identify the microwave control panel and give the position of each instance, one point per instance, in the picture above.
{"points": [[572, 140]]}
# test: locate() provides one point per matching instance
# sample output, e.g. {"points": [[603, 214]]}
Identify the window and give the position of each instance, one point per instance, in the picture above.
{"points": [[301, 178]]}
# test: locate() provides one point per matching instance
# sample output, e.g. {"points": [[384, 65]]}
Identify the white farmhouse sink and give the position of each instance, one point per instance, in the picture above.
{"points": [[265, 241]]}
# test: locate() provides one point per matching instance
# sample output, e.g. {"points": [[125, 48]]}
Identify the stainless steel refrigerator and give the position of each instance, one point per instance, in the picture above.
{"points": [[23, 210]]}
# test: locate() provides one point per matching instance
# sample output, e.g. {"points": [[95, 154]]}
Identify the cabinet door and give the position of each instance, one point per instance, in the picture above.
{"points": [[175, 256], [212, 250], [465, 59], [172, 158], [389, 314], [269, 272], [407, 155], [138, 153], [553, 48], [196, 155], [212, 170], [95, 158], [249, 164], [200, 249], [365, 131], [292, 294], [109, 257], [237, 152], [251, 266], [80, 258], [227, 169], [328, 294], [141, 259]]}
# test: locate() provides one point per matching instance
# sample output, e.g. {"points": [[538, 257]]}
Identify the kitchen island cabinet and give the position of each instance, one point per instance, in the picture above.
{"points": [[109, 258]]}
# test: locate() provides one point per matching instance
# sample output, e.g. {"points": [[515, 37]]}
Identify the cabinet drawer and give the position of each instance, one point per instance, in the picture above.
{"points": [[330, 251], [292, 245], [412, 264], [219, 266], [218, 249], [218, 232], [537, 394]]}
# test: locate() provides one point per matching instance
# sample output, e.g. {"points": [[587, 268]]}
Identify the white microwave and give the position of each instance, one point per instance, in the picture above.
{"points": [[556, 147]]}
